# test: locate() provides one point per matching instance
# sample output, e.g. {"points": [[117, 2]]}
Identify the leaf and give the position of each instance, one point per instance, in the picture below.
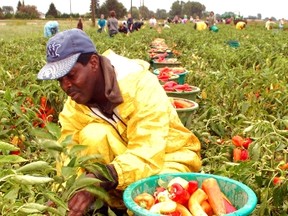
{"points": [[84, 181], [99, 192], [98, 204], [101, 169], [7, 146], [35, 206], [51, 145], [248, 129], [55, 199], [254, 151], [60, 211], [76, 149], [11, 159], [245, 107], [54, 129], [80, 183], [30, 180], [41, 134], [33, 166], [89, 158], [68, 171], [12, 194], [110, 212]]}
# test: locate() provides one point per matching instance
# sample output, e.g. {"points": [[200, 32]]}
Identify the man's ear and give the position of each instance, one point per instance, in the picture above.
{"points": [[94, 61]]}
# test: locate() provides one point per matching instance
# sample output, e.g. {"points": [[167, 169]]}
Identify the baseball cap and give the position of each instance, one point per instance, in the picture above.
{"points": [[62, 52]]}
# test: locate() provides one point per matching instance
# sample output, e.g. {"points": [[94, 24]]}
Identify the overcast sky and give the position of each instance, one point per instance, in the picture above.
{"points": [[275, 8]]}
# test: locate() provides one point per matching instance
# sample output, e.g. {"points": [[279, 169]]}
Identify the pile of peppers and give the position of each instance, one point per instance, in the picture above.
{"points": [[178, 191]]}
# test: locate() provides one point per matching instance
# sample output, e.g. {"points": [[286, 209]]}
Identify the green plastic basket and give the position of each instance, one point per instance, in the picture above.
{"points": [[172, 78], [186, 114], [181, 79], [241, 196], [233, 43], [187, 95], [157, 65], [214, 28]]}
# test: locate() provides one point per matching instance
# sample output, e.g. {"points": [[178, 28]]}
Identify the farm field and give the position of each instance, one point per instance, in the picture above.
{"points": [[244, 92]]}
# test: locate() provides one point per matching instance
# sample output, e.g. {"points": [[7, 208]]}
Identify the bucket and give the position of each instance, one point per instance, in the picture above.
{"points": [[214, 28], [185, 114], [181, 79], [191, 95], [240, 195], [233, 43]]}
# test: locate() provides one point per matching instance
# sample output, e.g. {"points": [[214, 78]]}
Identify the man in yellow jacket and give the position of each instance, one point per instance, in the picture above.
{"points": [[240, 25], [200, 26], [117, 108]]}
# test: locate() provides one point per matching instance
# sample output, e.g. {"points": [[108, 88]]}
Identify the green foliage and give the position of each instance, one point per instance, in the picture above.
{"points": [[52, 11], [243, 92], [115, 5], [27, 12]]}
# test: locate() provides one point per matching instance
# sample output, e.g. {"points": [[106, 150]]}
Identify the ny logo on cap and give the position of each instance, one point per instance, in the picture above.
{"points": [[52, 50]]}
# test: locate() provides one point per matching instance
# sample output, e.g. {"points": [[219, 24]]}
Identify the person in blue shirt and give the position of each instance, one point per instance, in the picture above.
{"points": [[130, 23], [101, 24], [51, 28]]}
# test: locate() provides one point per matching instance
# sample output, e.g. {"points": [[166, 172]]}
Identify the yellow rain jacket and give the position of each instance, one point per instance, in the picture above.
{"points": [[145, 136], [201, 25], [240, 25]]}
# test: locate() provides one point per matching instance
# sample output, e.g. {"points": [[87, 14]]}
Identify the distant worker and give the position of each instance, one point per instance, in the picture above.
{"points": [[197, 19], [51, 28], [101, 23], [200, 25], [241, 25], [269, 24], [185, 19], [152, 22], [112, 24], [130, 23], [211, 19], [281, 24], [80, 24], [191, 19]]}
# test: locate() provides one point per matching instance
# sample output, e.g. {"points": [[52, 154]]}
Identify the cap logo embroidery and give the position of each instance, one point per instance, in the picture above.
{"points": [[52, 50]]}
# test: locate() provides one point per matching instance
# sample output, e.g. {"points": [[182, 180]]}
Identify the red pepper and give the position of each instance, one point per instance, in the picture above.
{"points": [[145, 200], [192, 186], [170, 84], [167, 88], [237, 140], [178, 194], [244, 155], [180, 87], [284, 166], [246, 143], [240, 154], [278, 180], [16, 152], [236, 154]]}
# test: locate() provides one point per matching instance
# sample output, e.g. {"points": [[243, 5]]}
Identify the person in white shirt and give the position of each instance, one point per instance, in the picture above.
{"points": [[152, 22]]}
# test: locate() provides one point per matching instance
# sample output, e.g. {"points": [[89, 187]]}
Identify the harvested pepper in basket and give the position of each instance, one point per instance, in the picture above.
{"points": [[178, 193], [145, 200]]}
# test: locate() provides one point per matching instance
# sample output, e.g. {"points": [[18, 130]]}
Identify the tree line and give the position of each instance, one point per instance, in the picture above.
{"points": [[179, 8]]}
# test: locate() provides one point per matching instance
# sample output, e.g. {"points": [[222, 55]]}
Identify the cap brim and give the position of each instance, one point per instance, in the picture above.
{"points": [[58, 69]]}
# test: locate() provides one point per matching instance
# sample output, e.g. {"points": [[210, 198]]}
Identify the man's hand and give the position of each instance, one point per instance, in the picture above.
{"points": [[79, 203], [81, 200]]}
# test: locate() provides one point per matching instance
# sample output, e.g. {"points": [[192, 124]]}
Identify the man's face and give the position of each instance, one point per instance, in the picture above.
{"points": [[81, 82]]}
